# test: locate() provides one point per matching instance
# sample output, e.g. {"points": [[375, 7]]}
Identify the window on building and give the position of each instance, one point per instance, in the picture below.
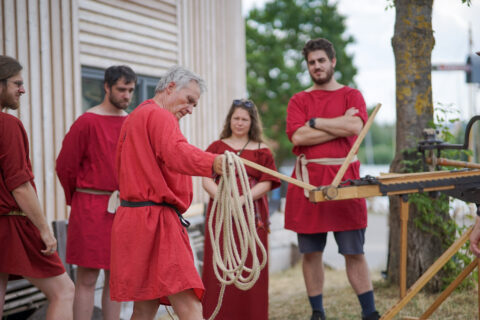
{"points": [[93, 93]]}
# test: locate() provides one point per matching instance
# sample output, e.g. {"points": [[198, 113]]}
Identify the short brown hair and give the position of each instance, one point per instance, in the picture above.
{"points": [[9, 67], [319, 44]]}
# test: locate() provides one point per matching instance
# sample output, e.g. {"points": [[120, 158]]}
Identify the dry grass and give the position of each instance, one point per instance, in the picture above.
{"points": [[288, 299]]}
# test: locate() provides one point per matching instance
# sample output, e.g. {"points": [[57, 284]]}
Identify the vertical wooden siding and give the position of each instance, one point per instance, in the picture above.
{"points": [[41, 35], [213, 45], [54, 38]]}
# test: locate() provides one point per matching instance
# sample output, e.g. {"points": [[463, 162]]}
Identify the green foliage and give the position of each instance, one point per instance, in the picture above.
{"points": [[434, 208], [275, 36]]}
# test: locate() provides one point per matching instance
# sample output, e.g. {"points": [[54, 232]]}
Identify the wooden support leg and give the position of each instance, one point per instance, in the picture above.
{"points": [[444, 295], [403, 244], [422, 281]]}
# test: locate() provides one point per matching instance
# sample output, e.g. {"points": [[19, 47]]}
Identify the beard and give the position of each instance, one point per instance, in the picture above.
{"points": [[323, 80], [9, 101], [119, 103]]}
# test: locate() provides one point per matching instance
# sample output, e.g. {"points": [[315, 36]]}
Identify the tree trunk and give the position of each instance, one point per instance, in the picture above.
{"points": [[412, 43]]}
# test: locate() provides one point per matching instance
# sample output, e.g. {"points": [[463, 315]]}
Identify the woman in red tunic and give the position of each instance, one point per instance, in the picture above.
{"points": [[28, 245], [242, 134]]}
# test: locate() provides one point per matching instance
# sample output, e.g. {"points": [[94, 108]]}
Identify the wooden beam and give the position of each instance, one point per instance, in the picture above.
{"points": [[444, 295], [276, 174], [403, 246], [422, 281], [354, 149], [454, 163], [365, 191], [353, 192]]}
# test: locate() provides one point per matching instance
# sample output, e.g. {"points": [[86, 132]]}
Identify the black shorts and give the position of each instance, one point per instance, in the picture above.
{"points": [[348, 242]]}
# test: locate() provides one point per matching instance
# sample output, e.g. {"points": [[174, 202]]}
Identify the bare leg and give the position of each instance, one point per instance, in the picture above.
{"points": [[84, 293], [60, 293], [3, 289], [145, 310], [313, 273], [110, 309], [358, 273], [186, 305]]}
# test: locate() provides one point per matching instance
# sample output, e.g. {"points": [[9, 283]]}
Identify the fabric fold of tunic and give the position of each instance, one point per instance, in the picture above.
{"points": [[151, 254], [21, 251], [238, 304], [87, 162]]}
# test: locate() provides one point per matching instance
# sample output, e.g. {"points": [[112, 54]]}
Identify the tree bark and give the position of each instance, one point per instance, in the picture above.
{"points": [[412, 43]]}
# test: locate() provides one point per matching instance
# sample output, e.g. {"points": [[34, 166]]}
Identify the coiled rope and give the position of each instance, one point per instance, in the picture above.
{"points": [[231, 223]]}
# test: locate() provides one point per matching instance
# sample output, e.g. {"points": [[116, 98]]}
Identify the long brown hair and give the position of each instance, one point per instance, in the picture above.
{"points": [[8, 67], [256, 131]]}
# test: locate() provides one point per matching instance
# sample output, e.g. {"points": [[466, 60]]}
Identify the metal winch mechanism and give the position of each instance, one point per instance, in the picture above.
{"points": [[464, 188]]}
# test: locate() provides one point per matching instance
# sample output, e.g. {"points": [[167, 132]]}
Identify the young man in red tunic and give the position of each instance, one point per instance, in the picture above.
{"points": [[322, 123], [152, 262], [86, 169], [29, 247]]}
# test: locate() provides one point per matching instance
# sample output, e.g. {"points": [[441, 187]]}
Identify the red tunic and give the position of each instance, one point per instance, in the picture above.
{"points": [[301, 215], [20, 254], [87, 160], [239, 304], [151, 253]]}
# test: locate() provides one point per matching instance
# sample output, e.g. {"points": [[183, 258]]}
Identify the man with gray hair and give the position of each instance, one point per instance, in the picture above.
{"points": [[151, 258]]}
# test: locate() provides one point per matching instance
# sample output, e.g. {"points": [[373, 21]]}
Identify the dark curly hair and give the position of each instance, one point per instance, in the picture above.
{"points": [[319, 44], [115, 73]]}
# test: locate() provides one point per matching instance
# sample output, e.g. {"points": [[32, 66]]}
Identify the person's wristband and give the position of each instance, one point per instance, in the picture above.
{"points": [[311, 123]]}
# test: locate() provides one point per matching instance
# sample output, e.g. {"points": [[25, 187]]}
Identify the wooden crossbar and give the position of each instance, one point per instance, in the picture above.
{"points": [[365, 191], [422, 281]]}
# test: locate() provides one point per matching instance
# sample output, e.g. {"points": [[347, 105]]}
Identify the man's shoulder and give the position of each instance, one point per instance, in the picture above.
{"points": [[8, 118], [148, 110], [8, 121], [349, 90], [85, 119], [300, 95]]}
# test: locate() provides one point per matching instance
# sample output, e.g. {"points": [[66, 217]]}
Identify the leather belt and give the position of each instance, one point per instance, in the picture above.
{"points": [[113, 201], [137, 204]]}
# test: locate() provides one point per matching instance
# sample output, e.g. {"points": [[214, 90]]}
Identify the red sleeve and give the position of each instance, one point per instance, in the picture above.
{"points": [[355, 99], [296, 116], [171, 147], [70, 157], [268, 162], [214, 148], [14, 162]]}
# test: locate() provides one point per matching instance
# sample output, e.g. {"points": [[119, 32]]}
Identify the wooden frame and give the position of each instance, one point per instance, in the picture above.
{"points": [[440, 180]]}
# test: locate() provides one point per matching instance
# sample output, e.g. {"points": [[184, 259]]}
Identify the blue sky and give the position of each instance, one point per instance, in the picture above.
{"points": [[372, 26]]}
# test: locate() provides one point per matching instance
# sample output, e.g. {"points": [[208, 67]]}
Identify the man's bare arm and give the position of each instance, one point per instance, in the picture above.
{"points": [[306, 136], [27, 200], [340, 127], [327, 129]]}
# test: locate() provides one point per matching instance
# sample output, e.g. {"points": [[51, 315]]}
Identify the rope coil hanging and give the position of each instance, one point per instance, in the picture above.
{"points": [[231, 223]]}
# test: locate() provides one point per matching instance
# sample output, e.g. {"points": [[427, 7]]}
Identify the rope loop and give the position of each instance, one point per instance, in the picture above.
{"points": [[233, 222]]}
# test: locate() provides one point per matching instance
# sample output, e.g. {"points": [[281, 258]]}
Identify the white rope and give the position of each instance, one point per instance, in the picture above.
{"points": [[232, 222]]}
